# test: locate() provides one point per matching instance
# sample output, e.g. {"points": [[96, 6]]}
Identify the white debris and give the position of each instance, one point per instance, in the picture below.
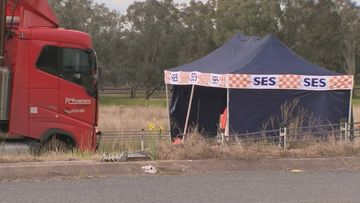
{"points": [[115, 157], [149, 169]]}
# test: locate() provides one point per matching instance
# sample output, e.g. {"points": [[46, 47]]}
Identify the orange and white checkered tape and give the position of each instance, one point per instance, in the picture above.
{"points": [[167, 76], [223, 81], [239, 81], [204, 79], [244, 81], [341, 82], [289, 81], [184, 78]]}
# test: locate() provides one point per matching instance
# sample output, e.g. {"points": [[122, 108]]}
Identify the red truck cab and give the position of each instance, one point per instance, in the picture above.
{"points": [[49, 89]]}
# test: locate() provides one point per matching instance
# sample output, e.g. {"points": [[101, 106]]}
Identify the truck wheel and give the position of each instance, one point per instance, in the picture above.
{"points": [[55, 145]]}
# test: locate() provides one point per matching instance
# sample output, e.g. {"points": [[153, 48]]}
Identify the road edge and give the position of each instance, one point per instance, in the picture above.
{"points": [[93, 169]]}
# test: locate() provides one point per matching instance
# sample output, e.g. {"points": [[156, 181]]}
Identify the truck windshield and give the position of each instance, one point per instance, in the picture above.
{"points": [[79, 66], [74, 65]]}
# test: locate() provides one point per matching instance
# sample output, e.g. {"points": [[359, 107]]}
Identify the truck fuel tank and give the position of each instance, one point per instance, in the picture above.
{"points": [[4, 93]]}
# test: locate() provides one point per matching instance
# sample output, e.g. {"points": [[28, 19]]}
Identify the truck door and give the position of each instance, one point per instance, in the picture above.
{"points": [[44, 87], [77, 89]]}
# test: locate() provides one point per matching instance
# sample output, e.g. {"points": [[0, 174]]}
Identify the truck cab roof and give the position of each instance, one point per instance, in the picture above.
{"points": [[60, 35]]}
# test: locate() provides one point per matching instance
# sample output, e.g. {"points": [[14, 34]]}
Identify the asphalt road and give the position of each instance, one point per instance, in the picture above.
{"points": [[219, 187]]}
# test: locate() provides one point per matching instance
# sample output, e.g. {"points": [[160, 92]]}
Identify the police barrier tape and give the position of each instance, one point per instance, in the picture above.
{"points": [[249, 81]]}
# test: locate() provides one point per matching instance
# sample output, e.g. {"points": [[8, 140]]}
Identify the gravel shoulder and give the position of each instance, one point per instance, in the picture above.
{"points": [[94, 169]]}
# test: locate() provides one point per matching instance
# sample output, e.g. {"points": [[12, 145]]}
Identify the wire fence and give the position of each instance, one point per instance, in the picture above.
{"points": [[111, 136], [283, 136], [126, 93]]}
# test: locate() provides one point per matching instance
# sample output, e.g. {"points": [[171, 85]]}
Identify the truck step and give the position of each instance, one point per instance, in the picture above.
{"points": [[14, 148]]}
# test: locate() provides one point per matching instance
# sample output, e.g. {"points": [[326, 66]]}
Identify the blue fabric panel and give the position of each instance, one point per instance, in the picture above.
{"points": [[208, 104], [254, 55], [250, 110]]}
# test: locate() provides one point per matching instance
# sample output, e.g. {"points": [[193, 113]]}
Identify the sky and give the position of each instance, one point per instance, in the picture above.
{"points": [[121, 5]]}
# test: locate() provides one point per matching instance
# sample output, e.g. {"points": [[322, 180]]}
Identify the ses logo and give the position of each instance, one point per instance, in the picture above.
{"points": [[264, 81], [174, 77], [314, 82], [215, 80], [193, 77]]}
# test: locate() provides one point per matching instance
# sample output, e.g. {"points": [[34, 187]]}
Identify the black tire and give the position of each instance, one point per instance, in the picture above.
{"points": [[55, 145]]}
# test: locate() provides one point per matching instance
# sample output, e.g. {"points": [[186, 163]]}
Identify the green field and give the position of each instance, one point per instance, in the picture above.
{"points": [[124, 101], [121, 101], [356, 101]]}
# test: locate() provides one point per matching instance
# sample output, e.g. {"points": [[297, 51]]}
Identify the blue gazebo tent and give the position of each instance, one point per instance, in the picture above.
{"points": [[252, 78]]}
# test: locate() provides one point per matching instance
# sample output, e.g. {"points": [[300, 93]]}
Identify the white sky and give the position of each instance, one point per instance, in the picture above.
{"points": [[121, 5]]}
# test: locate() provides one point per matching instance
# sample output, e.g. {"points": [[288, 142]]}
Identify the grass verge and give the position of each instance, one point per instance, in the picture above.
{"points": [[198, 148], [55, 156], [121, 101]]}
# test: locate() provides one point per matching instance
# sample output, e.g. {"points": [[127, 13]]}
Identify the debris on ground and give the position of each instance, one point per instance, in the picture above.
{"points": [[125, 156], [149, 169]]}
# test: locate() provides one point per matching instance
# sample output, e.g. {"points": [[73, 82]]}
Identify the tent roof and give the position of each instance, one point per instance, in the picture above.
{"points": [[253, 55]]}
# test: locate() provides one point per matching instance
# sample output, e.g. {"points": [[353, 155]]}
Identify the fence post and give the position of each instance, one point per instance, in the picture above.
{"points": [[142, 140], [280, 139], [346, 131], [283, 138]]}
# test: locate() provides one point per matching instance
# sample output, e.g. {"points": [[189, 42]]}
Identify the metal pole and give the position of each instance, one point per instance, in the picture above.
{"points": [[350, 105], [285, 138], [342, 130], [142, 140], [346, 136], [350, 111], [350, 108], [188, 112], [227, 128], [167, 104]]}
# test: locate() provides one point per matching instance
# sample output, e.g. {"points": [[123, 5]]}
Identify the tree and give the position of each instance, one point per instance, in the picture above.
{"points": [[102, 24], [153, 26], [250, 17], [134, 49], [310, 28], [197, 36], [349, 34]]}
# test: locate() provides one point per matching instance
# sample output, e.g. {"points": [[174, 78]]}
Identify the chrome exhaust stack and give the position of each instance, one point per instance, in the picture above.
{"points": [[2, 31]]}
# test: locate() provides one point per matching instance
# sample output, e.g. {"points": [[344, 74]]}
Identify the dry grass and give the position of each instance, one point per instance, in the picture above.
{"points": [[131, 118], [357, 113], [136, 117], [196, 147], [75, 156], [125, 118]]}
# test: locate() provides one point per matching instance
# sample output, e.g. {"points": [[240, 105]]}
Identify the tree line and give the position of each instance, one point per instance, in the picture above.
{"points": [[135, 47]]}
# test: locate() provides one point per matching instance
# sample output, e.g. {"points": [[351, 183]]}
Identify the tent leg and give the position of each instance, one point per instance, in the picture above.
{"points": [[188, 112], [227, 128], [350, 106], [350, 114], [167, 104]]}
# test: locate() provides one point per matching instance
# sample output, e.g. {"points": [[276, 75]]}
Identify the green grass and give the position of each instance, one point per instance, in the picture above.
{"points": [[121, 101], [124, 101], [356, 101]]}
